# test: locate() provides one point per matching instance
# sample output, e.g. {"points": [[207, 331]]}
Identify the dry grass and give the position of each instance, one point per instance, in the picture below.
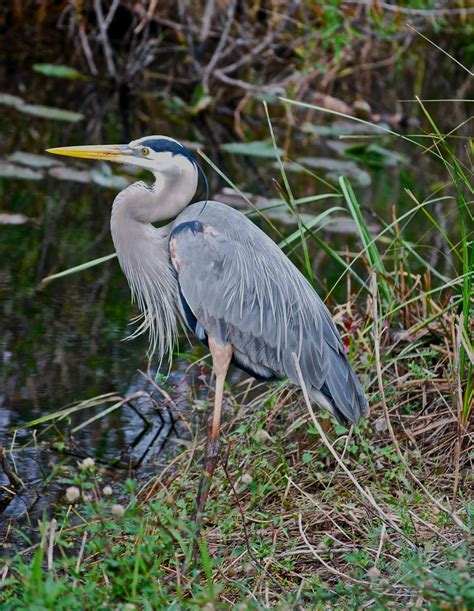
{"points": [[286, 513]]}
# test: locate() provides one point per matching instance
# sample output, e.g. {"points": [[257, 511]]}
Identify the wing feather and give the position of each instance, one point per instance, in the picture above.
{"points": [[242, 289]]}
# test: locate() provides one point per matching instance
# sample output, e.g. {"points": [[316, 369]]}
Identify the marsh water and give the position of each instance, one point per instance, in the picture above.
{"points": [[61, 342]]}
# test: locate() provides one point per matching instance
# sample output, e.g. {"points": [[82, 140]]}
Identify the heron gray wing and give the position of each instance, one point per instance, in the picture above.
{"points": [[242, 289]]}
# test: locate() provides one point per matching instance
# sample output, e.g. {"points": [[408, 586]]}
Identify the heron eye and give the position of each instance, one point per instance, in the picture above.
{"points": [[145, 151]]}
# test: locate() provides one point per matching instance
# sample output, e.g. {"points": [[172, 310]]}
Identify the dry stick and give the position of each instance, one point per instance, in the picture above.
{"points": [[378, 364], [52, 531], [323, 562], [167, 398], [12, 455], [220, 45], [429, 526], [162, 392], [459, 402], [381, 542], [13, 478], [248, 57], [87, 50], [81, 551], [110, 15], [206, 20], [364, 492], [146, 16], [109, 60], [343, 455], [5, 573], [457, 367]]}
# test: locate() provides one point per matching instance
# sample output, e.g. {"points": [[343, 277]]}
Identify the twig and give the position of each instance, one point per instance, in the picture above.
{"points": [[459, 404], [343, 455], [52, 531], [87, 50], [81, 551], [4, 574], [206, 20], [321, 509], [381, 542], [429, 526], [248, 57], [13, 478], [220, 45], [378, 364], [111, 13], [103, 37], [146, 16], [162, 392]]}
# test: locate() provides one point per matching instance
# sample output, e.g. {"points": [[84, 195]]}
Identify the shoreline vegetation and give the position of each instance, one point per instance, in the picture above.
{"points": [[304, 513]]}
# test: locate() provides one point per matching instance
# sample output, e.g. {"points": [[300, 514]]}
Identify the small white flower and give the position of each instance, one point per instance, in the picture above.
{"points": [[107, 491], [73, 494], [261, 436], [373, 572], [118, 510], [87, 463], [246, 478]]}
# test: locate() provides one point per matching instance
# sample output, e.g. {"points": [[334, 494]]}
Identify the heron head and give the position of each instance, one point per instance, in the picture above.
{"points": [[158, 154]]}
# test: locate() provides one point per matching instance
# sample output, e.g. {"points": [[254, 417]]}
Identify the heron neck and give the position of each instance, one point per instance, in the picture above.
{"points": [[142, 249], [143, 255], [171, 192], [140, 246]]}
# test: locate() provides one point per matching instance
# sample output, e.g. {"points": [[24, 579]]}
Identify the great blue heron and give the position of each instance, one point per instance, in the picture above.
{"points": [[211, 268]]}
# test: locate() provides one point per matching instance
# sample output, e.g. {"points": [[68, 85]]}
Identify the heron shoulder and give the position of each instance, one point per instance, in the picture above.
{"points": [[213, 213]]}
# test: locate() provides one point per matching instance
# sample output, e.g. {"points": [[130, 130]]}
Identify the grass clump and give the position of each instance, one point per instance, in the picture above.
{"points": [[283, 528]]}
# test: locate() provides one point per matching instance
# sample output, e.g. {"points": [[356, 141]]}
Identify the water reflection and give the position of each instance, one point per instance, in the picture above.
{"points": [[143, 435]]}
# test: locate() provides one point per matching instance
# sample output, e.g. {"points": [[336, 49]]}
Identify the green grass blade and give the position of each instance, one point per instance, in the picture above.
{"points": [[441, 49], [315, 221], [375, 259], [78, 268]]}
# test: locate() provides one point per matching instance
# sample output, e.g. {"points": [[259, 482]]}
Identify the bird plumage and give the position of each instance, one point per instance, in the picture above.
{"points": [[225, 278], [243, 290]]}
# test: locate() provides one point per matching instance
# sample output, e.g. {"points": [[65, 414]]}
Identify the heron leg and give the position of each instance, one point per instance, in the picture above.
{"points": [[221, 358]]}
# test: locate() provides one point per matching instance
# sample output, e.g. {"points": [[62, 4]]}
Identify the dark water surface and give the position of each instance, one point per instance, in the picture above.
{"points": [[62, 342]]}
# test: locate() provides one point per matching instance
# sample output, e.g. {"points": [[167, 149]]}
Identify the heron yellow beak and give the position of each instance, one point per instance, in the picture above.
{"points": [[119, 153]]}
